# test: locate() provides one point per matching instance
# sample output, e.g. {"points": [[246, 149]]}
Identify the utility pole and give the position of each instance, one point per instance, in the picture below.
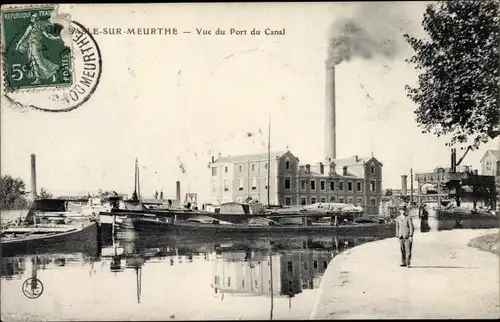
{"points": [[269, 165], [411, 185], [438, 190]]}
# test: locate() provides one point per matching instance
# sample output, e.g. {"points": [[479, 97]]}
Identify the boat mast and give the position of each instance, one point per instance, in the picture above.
{"points": [[271, 279], [269, 165], [138, 184], [134, 194], [138, 274]]}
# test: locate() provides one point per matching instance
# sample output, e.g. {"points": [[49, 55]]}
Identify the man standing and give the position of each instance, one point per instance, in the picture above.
{"points": [[404, 232]]}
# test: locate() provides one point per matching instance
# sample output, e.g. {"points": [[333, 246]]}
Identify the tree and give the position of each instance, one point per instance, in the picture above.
{"points": [[458, 87], [12, 193], [44, 194]]}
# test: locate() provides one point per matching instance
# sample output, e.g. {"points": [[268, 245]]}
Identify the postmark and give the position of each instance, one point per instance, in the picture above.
{"points": [[32, 288], [49, 63]]}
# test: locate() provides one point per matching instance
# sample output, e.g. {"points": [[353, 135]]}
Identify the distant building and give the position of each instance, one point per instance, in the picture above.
{"points": [[355, 180], [490, 165]]}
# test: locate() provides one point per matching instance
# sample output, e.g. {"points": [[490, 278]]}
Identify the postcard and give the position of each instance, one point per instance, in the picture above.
{"points": [[206, 161]]}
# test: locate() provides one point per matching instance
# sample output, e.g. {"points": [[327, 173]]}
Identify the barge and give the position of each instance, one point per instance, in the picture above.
{"points": [[138, 226], [46, 228]]}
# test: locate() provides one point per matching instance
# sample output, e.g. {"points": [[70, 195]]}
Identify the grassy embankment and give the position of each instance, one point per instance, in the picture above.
{"points": [[489, 243]]}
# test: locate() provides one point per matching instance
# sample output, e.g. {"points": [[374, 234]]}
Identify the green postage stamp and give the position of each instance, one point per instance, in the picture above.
{"points": [[50, 62], [34, 53]]}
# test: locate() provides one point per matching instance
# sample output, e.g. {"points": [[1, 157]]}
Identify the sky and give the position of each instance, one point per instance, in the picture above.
{"points": [[171, 100]]}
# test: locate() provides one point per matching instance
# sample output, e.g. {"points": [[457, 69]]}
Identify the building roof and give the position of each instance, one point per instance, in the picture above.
{"points": [[353, 161], [252, 157], [495, 153], [312, 173]]}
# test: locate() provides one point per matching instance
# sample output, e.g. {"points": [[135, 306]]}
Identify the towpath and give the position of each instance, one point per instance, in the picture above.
{"points": [[448, 279]]}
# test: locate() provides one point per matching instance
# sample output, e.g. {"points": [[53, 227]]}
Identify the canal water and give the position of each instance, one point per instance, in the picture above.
{"points": [[173, 279]]}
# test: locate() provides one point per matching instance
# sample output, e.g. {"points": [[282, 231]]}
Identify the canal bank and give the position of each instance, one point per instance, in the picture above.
{"points": [[448, 279]]}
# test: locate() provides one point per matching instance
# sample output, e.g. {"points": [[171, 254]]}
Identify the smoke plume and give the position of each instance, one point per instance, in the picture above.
{"points": [[372, 29]]}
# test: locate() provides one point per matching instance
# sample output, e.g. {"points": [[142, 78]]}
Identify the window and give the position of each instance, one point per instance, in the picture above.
{"points": [[341, 200], [216, 281], [313, 184], [373, 201], [254, 183], [240, 167], [358, 186], [214, 171], [266, 182], [322, 185], [287, 165], [305, 266], [242, 283], [315, 264], [372, 186], [323, 199], [372, 169], [214, 185], [253, 167], [303, 201], [288, 201], [226, 185], [287, 183], [302, 184], [332, 185], [225, 169], [228, 281], [241, 180], [332, 199], [341, 185], [325, 264], [290, 266], [349, 186], [313, 200]]}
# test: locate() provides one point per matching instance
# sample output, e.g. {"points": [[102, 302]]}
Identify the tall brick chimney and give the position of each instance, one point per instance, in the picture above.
{"points": [[404, 185], [178, 190], [330, 125], [33, 176]]}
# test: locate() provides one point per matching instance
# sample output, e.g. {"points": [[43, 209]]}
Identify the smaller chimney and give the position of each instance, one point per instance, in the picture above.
{"points": [[356, 158], [321, 168], [213, 159], [308, 168], [333, 171], [404, 185], [453, 160], [178, 191], [33, 176], [344, 170]]}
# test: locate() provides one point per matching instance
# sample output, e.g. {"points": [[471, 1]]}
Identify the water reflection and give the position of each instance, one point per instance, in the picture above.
{"points": [[234, 273]]}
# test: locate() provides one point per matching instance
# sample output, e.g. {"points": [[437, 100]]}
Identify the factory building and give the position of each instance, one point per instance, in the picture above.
{"points": [[355, 180], [490, 165]]}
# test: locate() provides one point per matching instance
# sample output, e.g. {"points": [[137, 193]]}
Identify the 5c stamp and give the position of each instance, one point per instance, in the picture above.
{"points": [[50, 62]]}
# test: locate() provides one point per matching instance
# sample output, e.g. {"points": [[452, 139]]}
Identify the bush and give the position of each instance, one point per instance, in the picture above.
{"points": [[489, 243]]}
